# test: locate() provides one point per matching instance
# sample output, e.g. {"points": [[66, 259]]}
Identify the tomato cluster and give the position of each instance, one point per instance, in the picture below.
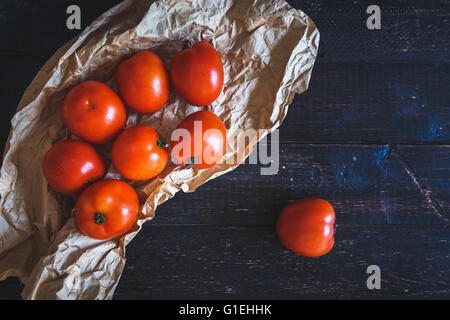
{"points": [[96, 114]]}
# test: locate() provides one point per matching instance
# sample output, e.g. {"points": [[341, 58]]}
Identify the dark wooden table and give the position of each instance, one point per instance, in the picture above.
{"points": [[371, 135]]}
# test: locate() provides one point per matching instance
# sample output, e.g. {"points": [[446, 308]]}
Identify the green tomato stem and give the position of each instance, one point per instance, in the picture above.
{"points": [[191, 162], [186, 44], [99, 218], [161, 143]]}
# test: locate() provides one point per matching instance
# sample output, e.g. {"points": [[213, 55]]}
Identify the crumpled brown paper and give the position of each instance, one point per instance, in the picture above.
{"points": [[268, 50]]}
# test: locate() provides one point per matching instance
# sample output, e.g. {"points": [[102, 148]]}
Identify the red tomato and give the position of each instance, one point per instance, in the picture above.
{"points": [[106, 209], [71, 164], [93, 112], [197, 74], [199, 140], [143, 82], [307, 227], [139, 153]]}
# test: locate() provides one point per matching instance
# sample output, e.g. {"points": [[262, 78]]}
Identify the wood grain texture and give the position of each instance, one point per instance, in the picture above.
{"points": [[38, 28], [10, 289], [372, 102], [411, 30], [205, 262], [429, 169], [366, 184], [393, 103], [354, 138], [17, 73]]}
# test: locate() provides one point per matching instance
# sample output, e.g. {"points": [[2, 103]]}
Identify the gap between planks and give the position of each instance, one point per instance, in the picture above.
{"points": [[338, 226], [361, 143], [320, 60]]}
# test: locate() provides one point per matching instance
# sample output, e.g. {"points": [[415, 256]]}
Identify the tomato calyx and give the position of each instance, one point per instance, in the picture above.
{"points": [[161, 143], [99, 218], [191, 162], [186, 45], [90, 105]]}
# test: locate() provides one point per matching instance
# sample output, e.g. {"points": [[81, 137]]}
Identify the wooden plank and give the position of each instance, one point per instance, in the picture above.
{"points": [[410, 30], [387, 103], [204, 262], [17, 73], [368, 103], [10, 289], [391, 201], [367, 184], [429, 169], [38, 28]]}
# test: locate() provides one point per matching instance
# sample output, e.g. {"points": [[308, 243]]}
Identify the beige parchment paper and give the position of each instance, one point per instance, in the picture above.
{"points": [[268, 51]]}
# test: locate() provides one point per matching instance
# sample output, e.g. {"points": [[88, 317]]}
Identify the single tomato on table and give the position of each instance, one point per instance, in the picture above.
{"points": [[106, 209], [199, 140], [140, 153], [94, 112], [197, 74], [70, 165], [143, 82], [307, 227]]}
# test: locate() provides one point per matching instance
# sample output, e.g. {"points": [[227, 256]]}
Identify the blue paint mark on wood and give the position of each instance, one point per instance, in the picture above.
{"points": [[434, 129], [383, 160], [382, 103], [360, 169], [387, 207]]}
